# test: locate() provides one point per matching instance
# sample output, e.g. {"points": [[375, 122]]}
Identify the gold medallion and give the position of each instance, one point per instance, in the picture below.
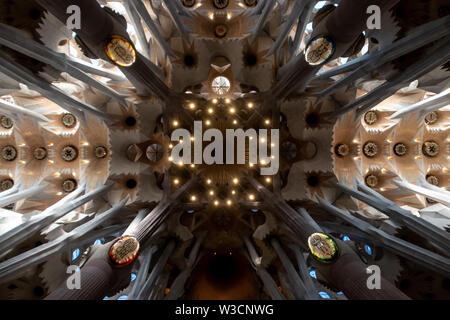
{"points": [[322, 247], [121, 51]]}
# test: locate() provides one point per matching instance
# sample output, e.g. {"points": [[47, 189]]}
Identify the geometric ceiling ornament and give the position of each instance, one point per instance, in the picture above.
{"points": [[6, 184], [69, 185], [430, 148], [370, 117], [6, 122], [100, 152], [40, 153], [9, 153], [69, 120], [370, 149], [400, 149], [69, 153]]}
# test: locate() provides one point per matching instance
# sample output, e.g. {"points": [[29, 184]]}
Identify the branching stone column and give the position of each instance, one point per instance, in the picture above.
{"points": [[342, 26], [300, 8], [97, 31], [432, 104], [303, 268], [51, 214], [146, 289], [285, 213], [17, 112], [419, 255], [172, 8], [268, 6], [139, 7], [140, 33], [265, 277], [441, 195], [353, 268], [13, 267], [158, 289], [146, 256], [178, 285], [136, 234], [350, 275], [98, 277], [23, 194], [13, 38], [360, 67], [305, 215], [439, 55], [297, 284], [158, 215], [399, 215], [9, 192]]}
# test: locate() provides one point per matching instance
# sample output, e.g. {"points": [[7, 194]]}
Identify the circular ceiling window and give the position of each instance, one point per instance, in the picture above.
{"points": [[221, 85]]}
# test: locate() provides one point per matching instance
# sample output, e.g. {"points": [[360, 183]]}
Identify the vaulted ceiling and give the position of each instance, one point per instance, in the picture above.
{"points": [[354, 120]]}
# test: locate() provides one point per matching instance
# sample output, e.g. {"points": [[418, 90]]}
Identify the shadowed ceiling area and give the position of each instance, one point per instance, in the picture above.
{"points": [[224, 276]]}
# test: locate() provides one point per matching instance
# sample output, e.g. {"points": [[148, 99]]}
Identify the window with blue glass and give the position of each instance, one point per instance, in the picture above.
{"points": [[324, 295], [76, 254], [368, 249]]}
